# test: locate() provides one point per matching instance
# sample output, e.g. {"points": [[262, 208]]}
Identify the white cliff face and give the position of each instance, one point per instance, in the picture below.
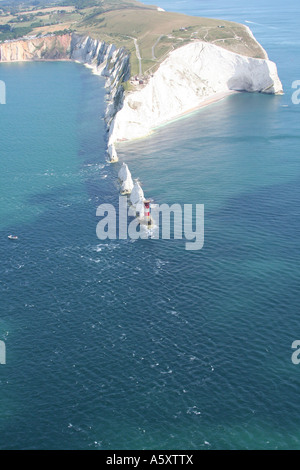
{"points": [[125, 179], [104, 59], [108, 61], [189, 76]]}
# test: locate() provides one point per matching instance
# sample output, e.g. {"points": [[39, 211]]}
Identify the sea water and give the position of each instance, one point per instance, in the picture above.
{"points": [[142, 344]]}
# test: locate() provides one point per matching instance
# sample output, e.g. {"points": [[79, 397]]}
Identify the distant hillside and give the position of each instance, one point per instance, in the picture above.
{"points": [[148, 34]]}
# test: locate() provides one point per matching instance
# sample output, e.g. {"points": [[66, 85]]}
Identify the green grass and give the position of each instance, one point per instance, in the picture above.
{"points": [[147, 25], [118, 21]]}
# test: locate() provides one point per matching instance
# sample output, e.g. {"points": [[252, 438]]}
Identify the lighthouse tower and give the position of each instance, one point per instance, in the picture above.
{"points": [[147, 216]]}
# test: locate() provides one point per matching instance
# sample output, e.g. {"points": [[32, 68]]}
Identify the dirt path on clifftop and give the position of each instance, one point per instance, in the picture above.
{"points": [[138, 55], [154, 46]]}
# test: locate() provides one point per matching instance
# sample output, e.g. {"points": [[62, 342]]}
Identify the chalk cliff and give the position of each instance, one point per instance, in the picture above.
{"points": [[185, 79], [108, 61], [104, 59], [47, 48], [189, 76]]}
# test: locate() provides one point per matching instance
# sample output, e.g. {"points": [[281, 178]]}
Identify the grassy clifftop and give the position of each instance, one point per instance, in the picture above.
{"points": [[149, 34]]}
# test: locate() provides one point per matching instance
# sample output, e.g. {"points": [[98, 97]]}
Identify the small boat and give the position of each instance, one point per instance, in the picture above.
{"points": [[13, 237]]}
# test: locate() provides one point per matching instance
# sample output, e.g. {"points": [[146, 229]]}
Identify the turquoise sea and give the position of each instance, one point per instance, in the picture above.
{"points": [[142, 344]]}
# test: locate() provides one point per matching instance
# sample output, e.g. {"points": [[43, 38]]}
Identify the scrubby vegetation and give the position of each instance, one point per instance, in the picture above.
{"points": [[8, 33]]}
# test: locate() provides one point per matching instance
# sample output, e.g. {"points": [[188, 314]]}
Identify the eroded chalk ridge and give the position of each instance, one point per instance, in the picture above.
{"points": [[114, 64], [190, 77]]}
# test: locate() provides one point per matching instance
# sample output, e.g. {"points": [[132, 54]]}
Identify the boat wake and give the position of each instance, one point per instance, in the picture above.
{"points": [[260, 24]]}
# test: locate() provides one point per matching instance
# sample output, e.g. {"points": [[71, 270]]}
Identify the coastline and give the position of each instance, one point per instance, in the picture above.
{"points": [[190, 78], [34, 60], [215, 98]]}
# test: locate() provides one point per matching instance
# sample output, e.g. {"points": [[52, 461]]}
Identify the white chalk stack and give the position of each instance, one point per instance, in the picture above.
{"points": [[125, 179], [112, 153], [137, 196]]}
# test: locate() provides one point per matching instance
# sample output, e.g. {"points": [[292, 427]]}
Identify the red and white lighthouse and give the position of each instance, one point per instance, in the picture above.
{"points": [[147, 216]]}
